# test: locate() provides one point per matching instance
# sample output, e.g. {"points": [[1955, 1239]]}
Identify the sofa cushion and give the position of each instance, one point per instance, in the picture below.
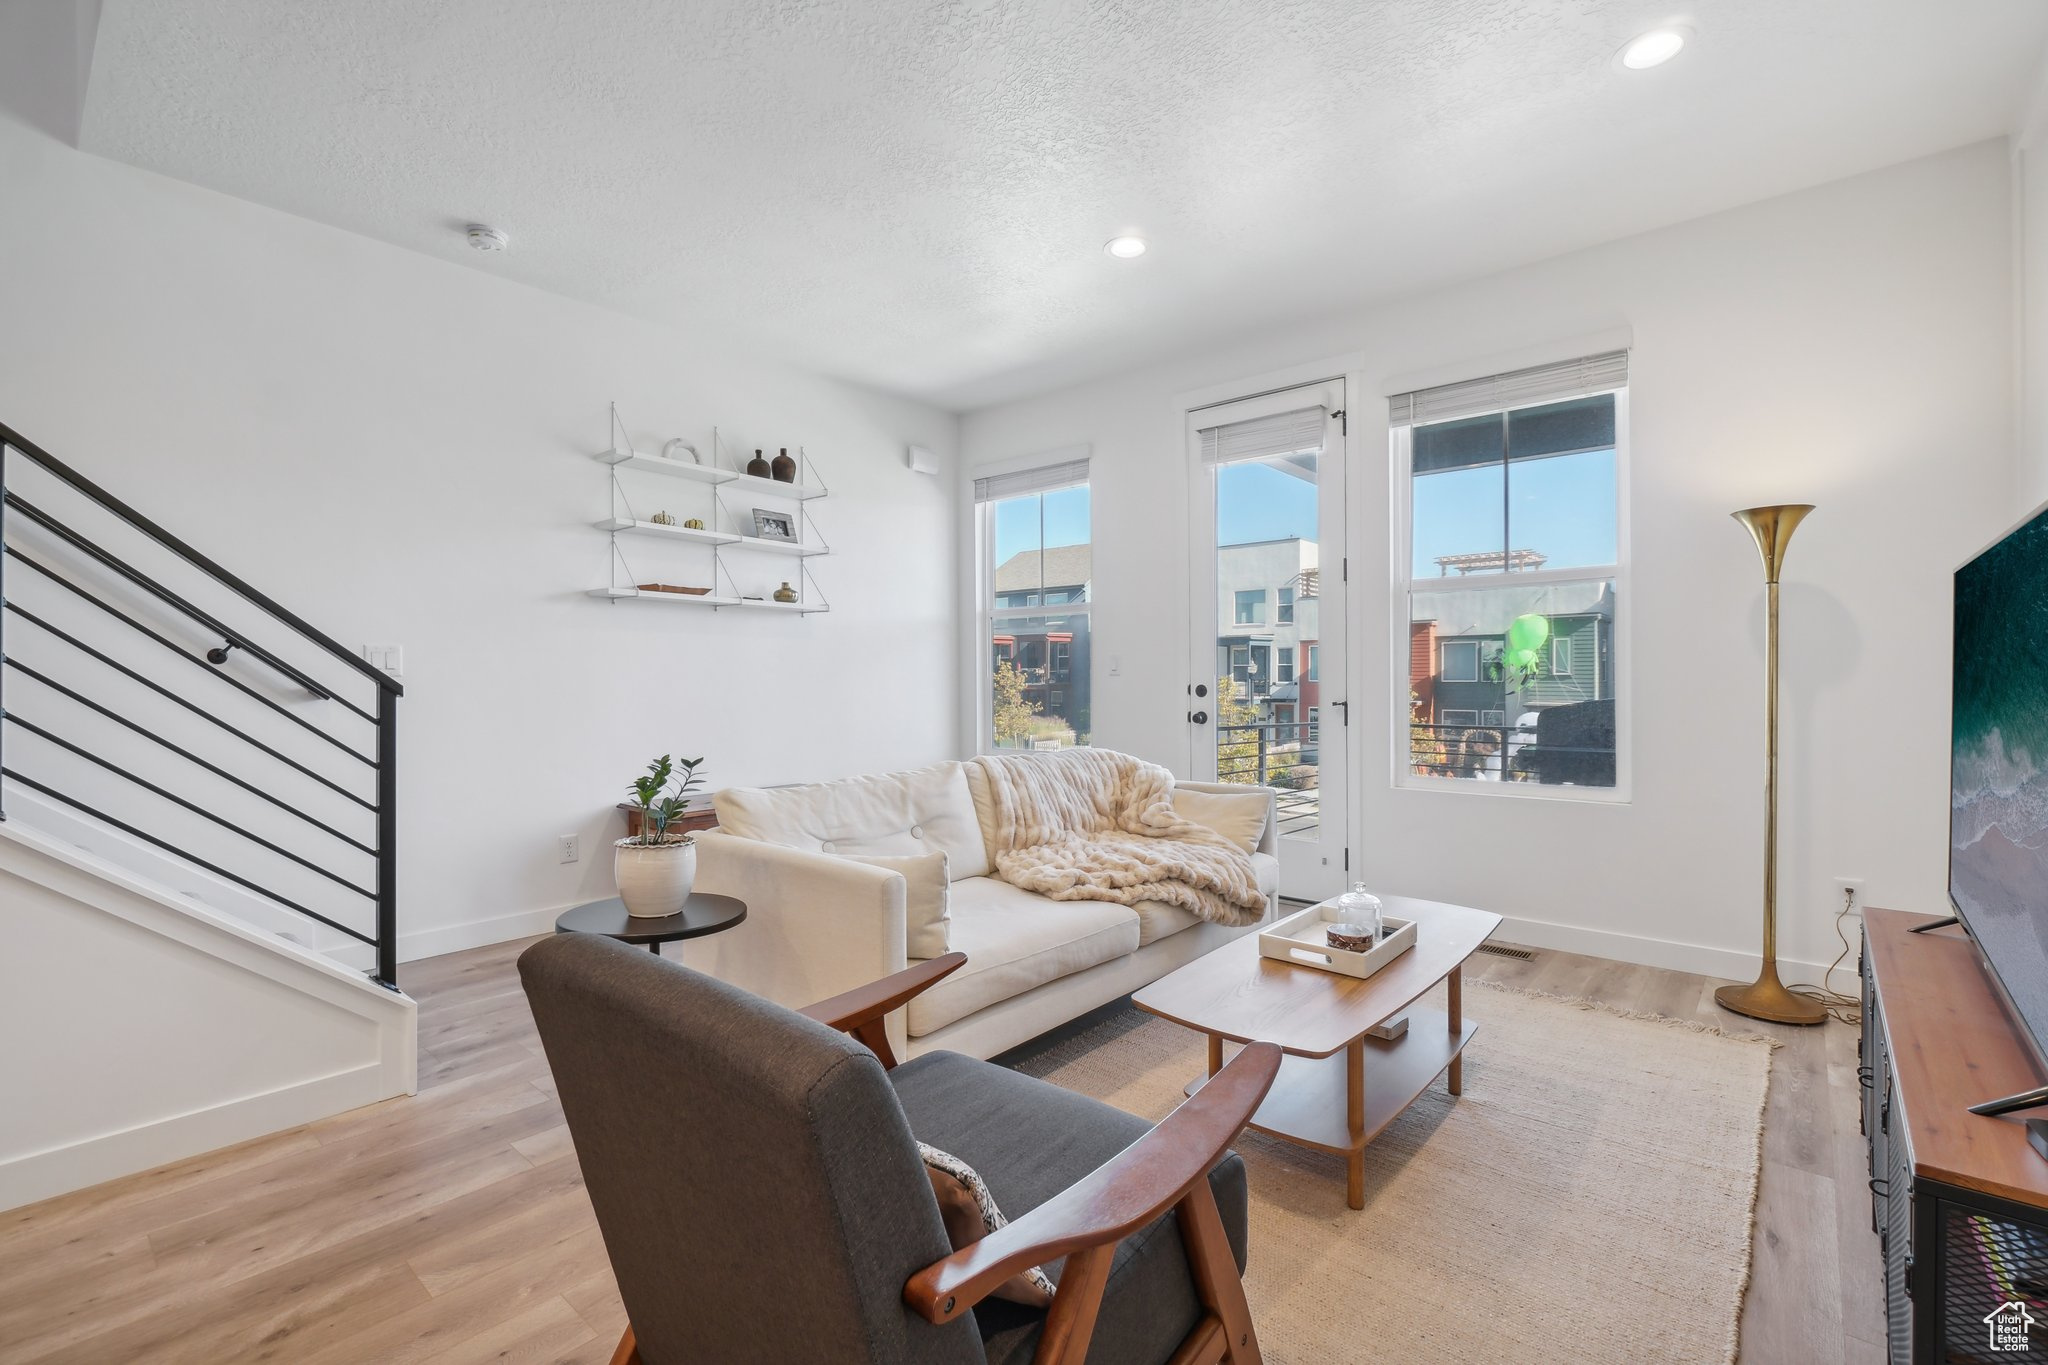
{"points": [[924, 810], [1030, 1141], [927, 898], [1238, 816], [1015, 940], [1157, 920]]}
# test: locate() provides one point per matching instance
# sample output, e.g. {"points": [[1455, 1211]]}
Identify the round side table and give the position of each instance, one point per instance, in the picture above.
{"points": [[700, 915]]}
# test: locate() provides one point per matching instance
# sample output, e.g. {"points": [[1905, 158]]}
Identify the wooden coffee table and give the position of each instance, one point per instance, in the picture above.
{"points": [[1338, 1089]]}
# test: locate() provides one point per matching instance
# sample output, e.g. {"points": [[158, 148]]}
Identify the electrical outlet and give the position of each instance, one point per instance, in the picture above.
{"points": [[1849, 894], [569, 848]]}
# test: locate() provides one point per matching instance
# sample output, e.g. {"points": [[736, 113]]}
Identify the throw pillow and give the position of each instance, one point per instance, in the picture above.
{"points": [[971, 1214], [1238, 816], [927, 899]]}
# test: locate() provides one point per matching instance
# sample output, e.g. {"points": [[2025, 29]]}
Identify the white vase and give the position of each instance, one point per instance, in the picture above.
{"points": [[654, 879]]}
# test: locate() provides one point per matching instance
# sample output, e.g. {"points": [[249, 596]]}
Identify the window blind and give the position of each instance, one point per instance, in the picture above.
{"points": [[1024, 482], [1262, 438], [1516, 389]]}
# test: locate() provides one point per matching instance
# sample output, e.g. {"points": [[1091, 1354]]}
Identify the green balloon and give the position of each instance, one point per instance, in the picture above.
{"points": [[1526, 634], [1522, 660]]}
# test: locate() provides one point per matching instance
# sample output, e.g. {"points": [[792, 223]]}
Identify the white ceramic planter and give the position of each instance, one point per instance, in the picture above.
{"points": [[654, 879]]}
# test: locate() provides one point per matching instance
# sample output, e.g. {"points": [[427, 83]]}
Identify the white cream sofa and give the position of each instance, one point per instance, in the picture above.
{"points": [[818, 924]]}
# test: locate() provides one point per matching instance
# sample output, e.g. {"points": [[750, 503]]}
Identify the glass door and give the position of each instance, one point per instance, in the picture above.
{"points": [[1266, 701]]}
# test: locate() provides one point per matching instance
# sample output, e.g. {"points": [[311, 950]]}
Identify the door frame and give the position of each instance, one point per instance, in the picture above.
{"points": [[1329, 385]]}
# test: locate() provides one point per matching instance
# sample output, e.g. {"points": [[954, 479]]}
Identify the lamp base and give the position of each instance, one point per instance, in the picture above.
{"points": [[1766, 998]]}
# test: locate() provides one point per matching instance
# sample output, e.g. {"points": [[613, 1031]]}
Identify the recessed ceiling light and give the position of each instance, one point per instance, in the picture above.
{"points": [[1654, 48], [487, 238], [1123, 248]]}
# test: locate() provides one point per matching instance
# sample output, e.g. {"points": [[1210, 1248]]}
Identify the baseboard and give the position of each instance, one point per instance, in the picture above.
{"points": [[477, 933], [1678, 957], [91, 1161]]}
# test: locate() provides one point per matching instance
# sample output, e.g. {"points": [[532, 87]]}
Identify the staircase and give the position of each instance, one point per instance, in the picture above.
{"points": [[198, 887]]}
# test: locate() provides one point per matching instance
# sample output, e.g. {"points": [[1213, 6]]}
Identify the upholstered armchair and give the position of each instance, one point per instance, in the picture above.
{"points": [[762, 1198]]}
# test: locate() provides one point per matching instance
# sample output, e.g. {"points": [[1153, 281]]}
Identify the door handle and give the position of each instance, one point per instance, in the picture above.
{"points": [[1199, 717], [1347, 712]]}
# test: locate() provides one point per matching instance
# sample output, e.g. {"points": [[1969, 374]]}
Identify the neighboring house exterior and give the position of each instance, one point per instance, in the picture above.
{"points": [[1269, 629], [1053, 653], [1453, 667]]}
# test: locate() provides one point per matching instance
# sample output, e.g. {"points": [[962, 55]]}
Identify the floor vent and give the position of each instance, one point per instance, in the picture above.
{"points": [[1503, 950]]}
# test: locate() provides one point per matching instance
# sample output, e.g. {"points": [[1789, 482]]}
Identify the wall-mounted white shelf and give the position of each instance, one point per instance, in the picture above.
{"points": [[770, 488], [793, 608], [656, 528], [794, 549], [706, 600], [677, 469], [750, 604], [745, 590]]}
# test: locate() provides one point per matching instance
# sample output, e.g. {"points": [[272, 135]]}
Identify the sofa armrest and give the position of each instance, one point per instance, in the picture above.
{"points": [[817, 926], [1269, 838]]}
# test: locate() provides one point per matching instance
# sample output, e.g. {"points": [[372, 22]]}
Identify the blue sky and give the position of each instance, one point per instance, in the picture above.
{"points": [[1562, 508]]}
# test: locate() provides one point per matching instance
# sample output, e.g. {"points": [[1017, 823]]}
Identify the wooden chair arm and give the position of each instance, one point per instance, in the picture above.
{"points": [[863, 1004], [860, 1010], [1119, 1197]]}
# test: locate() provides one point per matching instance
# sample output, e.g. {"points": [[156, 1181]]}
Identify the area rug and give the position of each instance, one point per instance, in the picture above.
{"points": [[1587, 1200]]}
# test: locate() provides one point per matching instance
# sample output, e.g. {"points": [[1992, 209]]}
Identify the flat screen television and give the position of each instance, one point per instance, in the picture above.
{"points": [[1998, 766]]}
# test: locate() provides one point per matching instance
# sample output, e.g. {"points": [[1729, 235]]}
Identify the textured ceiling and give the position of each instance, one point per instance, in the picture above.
{"points": [[915, 194]]}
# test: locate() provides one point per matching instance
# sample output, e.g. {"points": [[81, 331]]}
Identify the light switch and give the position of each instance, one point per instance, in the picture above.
{"points": [[390, 658]]}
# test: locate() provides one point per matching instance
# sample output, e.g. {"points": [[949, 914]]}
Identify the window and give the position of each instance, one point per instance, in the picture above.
{"points": [[1285, 666], [1283, 612], [1251, 607], [1033, 531], [1511, 525], [1314, 653]]}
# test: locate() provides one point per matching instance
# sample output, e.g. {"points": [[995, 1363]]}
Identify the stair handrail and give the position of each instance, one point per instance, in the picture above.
{"points": [[384, 718], [78, 481]]}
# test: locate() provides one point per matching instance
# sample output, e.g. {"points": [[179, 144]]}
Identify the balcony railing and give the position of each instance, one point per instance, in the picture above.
{"points": [[1504, 753], [1281, 754]]}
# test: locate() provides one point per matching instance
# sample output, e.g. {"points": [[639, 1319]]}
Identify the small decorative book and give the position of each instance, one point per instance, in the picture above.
{"points": [[1304, 939]]}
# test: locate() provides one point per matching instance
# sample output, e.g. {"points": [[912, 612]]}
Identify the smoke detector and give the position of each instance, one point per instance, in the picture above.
{"points": [[487, 238]]}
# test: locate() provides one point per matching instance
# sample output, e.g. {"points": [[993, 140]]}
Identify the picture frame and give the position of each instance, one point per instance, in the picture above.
{"points": [[775, 525]]}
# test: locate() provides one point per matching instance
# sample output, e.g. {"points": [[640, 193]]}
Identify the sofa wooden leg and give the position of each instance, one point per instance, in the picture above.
{"points": [[1217, 1283], [628, 1352]]}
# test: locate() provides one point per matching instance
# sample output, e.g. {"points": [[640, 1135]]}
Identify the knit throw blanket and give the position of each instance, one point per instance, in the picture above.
{"points": [[1093, 824]]}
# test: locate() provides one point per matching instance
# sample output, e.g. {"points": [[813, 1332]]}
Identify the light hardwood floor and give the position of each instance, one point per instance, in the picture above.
{"points": [[452, 1226]]}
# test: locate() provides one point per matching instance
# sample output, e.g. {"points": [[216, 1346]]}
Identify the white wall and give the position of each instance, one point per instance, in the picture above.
{"points": [[1848, 345], [396, 448], [2030, 295]]}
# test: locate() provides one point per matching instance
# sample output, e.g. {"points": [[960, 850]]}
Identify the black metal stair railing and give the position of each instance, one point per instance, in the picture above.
{"points": [[17, 512]]}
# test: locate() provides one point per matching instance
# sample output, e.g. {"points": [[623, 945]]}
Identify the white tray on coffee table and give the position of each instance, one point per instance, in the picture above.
{"points": [[1302, 939]]}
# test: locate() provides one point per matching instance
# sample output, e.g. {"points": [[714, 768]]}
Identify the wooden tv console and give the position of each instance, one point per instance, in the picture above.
{"points": [[1960, 1201]]}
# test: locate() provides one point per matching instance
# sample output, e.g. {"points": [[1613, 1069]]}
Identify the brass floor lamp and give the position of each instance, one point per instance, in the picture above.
{"points": [[1767, 997]]}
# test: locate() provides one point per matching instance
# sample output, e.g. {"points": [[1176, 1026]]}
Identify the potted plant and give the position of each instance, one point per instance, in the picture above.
{"points": [[655, 868]]}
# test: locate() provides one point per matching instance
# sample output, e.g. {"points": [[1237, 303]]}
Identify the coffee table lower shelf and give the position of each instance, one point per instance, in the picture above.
{"points": [[1310, 1102]]}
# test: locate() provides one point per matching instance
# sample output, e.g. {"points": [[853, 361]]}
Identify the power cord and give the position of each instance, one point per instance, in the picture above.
{"points": [[1847, 1009]]}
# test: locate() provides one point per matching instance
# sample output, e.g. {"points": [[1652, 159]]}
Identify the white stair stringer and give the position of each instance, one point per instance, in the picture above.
{"points": [[142, 1027]]}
